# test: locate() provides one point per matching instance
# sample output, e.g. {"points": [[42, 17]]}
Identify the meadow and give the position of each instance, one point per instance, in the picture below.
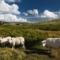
{"points": [[33, 34]]}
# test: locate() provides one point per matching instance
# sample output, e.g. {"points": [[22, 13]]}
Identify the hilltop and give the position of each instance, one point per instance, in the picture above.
{"points": [[55, 21]]}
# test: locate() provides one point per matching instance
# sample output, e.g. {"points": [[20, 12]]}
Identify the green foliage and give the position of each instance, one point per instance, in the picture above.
{"points": [[28, 34], [32, 34]]}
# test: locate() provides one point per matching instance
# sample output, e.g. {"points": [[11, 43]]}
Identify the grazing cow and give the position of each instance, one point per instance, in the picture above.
{"points": [[3, 41], [51, 43], [16, 41]]}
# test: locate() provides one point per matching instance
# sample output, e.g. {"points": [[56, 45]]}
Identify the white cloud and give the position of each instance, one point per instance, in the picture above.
{"points": [[26, 14], [33, 12], [46, 14], [13, 0], [8, 12], [11, 18], [14, 9], [1, 17], [6, 8], [49, 14]]}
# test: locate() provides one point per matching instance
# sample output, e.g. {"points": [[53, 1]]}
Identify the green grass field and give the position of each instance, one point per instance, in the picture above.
{"points": [[33, 35]]}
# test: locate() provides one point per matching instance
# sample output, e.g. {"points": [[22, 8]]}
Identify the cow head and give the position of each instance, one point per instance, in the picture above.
{"points": [[43, 43]]}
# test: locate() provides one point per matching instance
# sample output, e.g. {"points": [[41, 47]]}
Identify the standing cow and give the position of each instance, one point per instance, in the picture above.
{"points": [[51, 43], [16, 41], [4, 40]]}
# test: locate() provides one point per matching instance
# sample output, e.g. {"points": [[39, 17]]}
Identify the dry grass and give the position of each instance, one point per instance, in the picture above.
{"points": [[56, 53], [9, 54], [51, 33]]}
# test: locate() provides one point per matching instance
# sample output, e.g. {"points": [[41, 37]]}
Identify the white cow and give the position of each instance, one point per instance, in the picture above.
{"points": [[51, 43], [3, 41], [16, 41]]}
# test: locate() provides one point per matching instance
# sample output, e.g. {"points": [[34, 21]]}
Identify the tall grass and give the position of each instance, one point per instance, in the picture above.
{"points": [[9, 54], [32, 34]]}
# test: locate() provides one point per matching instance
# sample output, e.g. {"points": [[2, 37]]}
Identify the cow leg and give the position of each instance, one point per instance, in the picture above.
{"points": [[22, 43], [13, 46], [3, 44], [49, 50], [23, 46], [10, 45]]}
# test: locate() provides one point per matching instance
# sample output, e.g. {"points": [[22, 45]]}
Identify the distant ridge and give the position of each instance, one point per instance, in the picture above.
{"points": [[13, 23], [55, 21]]}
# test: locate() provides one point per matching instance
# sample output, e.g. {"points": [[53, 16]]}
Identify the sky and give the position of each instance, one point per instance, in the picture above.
{"points": [[29, 10]]}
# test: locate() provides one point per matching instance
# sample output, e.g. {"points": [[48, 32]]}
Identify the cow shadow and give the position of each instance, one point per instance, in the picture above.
{"points": [[39, 51], [30, 50]]}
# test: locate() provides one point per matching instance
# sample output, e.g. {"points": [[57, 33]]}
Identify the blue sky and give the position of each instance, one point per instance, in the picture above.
{"points": [[29, 10], [53, 5]]}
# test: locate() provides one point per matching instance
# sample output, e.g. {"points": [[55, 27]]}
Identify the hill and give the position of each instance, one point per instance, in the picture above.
{"points": [[14, 23], [55, 21], [33, 34]]}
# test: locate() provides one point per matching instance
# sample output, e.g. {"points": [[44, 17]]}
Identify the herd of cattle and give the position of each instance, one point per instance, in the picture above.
{"points": [[49, 42], [12, 41]]}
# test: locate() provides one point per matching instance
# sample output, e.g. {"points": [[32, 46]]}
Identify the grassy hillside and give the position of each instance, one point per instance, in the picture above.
{"points": [[55, 21], [33, 34]]}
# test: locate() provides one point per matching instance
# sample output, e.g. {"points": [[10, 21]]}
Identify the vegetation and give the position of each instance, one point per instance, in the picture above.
{"points": [[33, 34], [53, 22], [9, 54]]}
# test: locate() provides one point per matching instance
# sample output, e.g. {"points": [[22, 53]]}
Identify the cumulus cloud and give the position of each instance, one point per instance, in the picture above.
{"points": [[46, 14], [26, 14], [1, 17], [11, 18], [14, 9], [33, 12], [8, 13], [49, 14], [13, 0], [6, 8]]}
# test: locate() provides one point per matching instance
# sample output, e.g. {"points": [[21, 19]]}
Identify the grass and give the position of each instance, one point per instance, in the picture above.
{"points": [[9, 54], [34, 54], [56, 53], [33, 35], [39, 55], [42, 54]]}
